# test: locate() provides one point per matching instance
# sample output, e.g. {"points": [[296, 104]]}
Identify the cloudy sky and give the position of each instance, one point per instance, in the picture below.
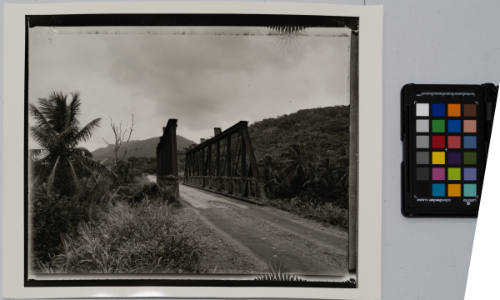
{"points": [[204, 77]]}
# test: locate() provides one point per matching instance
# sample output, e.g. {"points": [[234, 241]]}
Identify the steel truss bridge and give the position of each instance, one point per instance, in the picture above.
{"points": [[225, 164]]}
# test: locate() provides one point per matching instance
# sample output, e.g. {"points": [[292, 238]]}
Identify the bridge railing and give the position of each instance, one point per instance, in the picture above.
{"points": [[239, 187]]}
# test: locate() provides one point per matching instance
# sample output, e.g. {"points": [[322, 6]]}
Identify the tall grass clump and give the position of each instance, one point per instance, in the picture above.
{"points": [[140, 239], [326, 213]]}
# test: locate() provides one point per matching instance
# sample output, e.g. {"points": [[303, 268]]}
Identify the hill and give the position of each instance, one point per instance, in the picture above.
{"points": [[304, 162], [321, 131], [140, 148]]}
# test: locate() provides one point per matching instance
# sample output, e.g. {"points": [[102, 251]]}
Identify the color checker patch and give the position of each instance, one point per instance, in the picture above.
{"points": [[470, 110], [470, 190], [454, 158], [437, 126], [438, 158], [454, 142], [470, 174], [438, 190], [470, 126], [469, 142], [423, 141], [438, 110], [470, 158], [422, 109], [454, 126], [454, 174], [438, 174], [454, 190], [454, 110], [438, 141]]}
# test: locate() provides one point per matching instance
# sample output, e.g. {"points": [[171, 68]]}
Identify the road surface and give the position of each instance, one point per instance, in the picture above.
{"points": [[260, 236]]}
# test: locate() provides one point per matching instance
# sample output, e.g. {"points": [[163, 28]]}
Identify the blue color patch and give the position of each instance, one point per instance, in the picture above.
{"points": [[438, 110], [454, 126], [470, 142], [438, 190]]}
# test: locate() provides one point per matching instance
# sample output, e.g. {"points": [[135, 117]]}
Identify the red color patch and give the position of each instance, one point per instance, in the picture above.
{"points": [[438, 141], [454, 142]]}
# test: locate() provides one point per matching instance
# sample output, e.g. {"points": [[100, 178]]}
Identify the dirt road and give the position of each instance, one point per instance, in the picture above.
{"points": [[255, 237]]}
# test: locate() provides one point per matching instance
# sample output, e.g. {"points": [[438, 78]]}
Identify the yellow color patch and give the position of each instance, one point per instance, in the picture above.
{"points": [[454, 190], [438, 158]]}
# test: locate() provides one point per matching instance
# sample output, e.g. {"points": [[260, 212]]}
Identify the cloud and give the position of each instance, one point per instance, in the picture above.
{"points": [[203, 79]]}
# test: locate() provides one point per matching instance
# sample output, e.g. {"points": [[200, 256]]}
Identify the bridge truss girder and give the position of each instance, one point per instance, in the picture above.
{"points": [[225, 164]]}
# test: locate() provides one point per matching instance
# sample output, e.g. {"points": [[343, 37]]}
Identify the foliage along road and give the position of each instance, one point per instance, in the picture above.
{"points": [[266, 236]]}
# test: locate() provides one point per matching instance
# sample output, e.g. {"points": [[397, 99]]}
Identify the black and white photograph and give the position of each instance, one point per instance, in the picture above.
{"points": [[206, 152]]}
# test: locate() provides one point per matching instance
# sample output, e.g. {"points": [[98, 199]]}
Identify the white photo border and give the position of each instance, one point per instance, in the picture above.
{"points": [[370, 150]]}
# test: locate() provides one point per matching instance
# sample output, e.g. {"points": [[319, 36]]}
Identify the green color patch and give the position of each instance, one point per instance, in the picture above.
{"points": [[454, 174], [437, 125], [470, 158]]}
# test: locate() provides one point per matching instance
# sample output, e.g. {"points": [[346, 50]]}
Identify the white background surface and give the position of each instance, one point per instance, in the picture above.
{"points": [[428, 41], [425, 41], [482, 280]]}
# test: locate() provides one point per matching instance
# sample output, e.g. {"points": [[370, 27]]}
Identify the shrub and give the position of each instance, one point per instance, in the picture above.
{"points": [[53, 215], [137, 192], [140, 239]]}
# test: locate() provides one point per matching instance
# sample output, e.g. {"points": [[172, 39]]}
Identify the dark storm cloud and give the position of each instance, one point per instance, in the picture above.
{"points": [[203, 79]]}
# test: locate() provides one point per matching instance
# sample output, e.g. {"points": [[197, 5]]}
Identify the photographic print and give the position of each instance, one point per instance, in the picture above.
{"points": [[176, 150], [209, 151], [250, 175]]}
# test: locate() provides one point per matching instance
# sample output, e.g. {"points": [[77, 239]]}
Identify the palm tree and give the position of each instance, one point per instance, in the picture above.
{"points": [[60, 161], [297, 167]]}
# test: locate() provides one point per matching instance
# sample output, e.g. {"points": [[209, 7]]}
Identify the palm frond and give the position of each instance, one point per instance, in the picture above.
{"points": [[74, 177], [52, 176], [93, 166], [39, 117], [74, 108], [86, 132], [288, 29], [46, 105], [58, 116], [36, 153], [42, 137]]}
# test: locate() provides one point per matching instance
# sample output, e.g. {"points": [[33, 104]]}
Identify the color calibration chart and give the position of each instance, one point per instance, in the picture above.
{"points": [[445, 135]]}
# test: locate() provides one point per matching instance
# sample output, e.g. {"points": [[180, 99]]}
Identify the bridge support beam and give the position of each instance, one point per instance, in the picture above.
{"points": [[166, 160]]}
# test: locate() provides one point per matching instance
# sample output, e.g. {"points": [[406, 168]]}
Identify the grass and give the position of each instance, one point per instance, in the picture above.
{"points": [[143, 238], [277, 273], [327, 213]]}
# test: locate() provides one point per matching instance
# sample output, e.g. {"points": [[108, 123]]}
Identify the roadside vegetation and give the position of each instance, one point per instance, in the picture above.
{"points": [[304, 160], [88, 217]]}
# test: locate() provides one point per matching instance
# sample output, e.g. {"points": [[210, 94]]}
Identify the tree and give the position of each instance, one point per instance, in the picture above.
{"points": [[120, 148], [59, 160], [297, 166], [122, 137]]}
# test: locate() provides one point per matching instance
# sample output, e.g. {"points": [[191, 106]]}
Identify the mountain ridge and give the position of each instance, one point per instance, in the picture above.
{"points": [[139, 148]]}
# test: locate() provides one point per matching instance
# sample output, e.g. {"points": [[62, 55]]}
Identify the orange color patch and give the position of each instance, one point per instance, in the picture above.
{"points": [[454, 110], [454, 190]]}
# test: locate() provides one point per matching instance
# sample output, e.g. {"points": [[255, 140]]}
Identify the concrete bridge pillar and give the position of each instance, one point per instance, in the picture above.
{"points": [[166, 161]]}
